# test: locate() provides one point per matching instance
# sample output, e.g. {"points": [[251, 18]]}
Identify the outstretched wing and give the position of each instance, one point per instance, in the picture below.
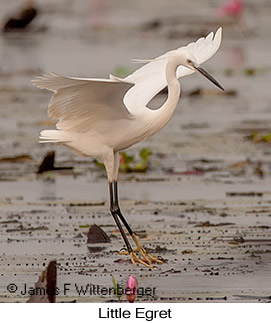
{"points": [[150, 79], [78, 103]]}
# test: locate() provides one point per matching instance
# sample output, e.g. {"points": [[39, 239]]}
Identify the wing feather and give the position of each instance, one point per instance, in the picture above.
{"points": [[79, 104]]}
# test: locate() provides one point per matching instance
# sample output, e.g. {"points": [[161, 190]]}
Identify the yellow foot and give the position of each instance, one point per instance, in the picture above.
{"points": [[146, 256], [146, 259], [135, 259]]}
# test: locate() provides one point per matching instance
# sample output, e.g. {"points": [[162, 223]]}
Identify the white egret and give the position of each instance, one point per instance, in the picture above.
{"points": [[101, 117]]}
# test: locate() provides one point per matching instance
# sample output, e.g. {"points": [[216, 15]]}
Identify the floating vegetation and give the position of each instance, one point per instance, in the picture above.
{"points": [[129, 163], [256, 137]]}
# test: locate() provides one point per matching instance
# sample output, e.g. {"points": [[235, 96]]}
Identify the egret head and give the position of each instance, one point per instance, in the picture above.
{"points": [[189, 61]]}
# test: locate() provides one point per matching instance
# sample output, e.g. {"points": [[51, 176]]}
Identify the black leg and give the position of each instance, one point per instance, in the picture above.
{"points": [[115, 213], [116, 203]]}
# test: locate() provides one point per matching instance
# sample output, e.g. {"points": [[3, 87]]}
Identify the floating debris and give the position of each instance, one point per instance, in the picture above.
{"points": [[97, 235], [253, 297], [21, 19], [95, 249], [244, 165], [21, 228], [205, 92], [208, 224], [187, 251], [87, 204], [256, 194], [191, 172], [240, 239], [24, 158]]}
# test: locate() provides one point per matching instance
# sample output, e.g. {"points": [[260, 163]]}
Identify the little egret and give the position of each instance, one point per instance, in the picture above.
{"points": [[101, 117]]}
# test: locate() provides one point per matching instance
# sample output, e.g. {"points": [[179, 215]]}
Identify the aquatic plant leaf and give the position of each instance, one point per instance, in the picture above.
{"points": [[100, 165], [121, 71], [45, 288], [145, 154], [140, 166], [48, 162], [97, 235], [266, 138], [127, 159], [116, 288]]}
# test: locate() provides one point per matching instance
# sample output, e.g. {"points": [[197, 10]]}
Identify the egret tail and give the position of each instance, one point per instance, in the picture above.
{"points": [[53, 136]]}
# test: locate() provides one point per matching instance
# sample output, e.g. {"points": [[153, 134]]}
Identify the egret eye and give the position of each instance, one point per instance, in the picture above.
{"points": [[189, 61]]}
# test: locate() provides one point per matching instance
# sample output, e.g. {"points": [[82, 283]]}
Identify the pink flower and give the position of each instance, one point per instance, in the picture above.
{"points": [[131, 286], [232, 8]]}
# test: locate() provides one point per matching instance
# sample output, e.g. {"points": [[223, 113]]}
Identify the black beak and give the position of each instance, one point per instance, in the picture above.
{"points": [[208, 76]]}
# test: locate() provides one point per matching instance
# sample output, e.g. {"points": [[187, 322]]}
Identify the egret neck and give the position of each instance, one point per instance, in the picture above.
{"points": [[164, 113]]}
